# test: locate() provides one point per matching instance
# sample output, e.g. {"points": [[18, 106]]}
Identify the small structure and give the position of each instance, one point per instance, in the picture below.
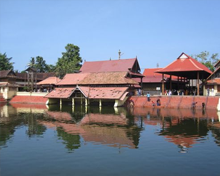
{"points": [[185, 67], [49, 83], [8, 86], [28, 80], [212, 86], [152, 81]]}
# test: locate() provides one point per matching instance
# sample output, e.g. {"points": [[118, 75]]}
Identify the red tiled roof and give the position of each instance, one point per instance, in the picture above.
{"points": [[103, 92], [104, 119], [107, 78], [96, 78], [60, 93], [72, 78], [50, 80], [108, 66], [90, 92], [151, 76], [214, 81], [185, 63]]}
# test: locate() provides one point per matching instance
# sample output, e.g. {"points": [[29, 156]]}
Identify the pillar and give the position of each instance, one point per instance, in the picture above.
{"points": [[86, 102], [170, 82], [162, 84], [197, 83], [73, 102], [100, 103], [60, 101]]}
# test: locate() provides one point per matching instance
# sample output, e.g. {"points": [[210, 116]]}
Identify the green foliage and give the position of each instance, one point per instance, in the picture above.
{"points": [[40, 64], [205, 59], [5, 62], [69, 62]]}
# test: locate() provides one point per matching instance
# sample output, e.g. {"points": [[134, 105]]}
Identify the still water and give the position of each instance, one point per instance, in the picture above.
{"points": [[39, 140]]}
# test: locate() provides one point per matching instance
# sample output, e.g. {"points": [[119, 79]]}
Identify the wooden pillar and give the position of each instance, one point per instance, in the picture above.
{"points": [[86, 102], [73, 102], [170, 82], [197, 83], [100, 103], [162, 84], [60, 104]]}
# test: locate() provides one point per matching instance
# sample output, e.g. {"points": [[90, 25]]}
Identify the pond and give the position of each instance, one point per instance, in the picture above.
{"points": [[40, 140]]}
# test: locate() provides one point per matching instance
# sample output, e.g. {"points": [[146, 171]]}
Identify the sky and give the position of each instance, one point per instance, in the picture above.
{"points": [[154, 31]]}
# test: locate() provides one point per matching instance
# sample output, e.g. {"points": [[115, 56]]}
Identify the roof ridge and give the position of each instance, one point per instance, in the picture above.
{"points": [[190, 59], [112, 60]]}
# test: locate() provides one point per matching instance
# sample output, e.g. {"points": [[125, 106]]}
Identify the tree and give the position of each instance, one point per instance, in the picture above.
{"points": [[205, 59], [39, 63], [5, 63], [70, 61]]}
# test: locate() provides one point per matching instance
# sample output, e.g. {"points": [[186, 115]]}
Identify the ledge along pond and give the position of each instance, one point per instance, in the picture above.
{"points": [[51, 140]]}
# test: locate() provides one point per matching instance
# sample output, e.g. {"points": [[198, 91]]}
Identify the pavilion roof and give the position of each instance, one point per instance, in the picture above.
{"points": [[186, 66]]}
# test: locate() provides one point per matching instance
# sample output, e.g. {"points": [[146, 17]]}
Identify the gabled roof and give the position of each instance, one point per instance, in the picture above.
{"points": [[49, 81], [90, 92], [103, 92], [72, 78], [60, 93], [216, 70], [96, 78], [151, 76], [186, 66], [7, 73], [40, 76], [110, 65]]}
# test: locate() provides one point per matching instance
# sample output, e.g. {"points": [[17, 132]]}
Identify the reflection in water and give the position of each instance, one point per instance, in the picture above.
{"points": [[109, 126]]}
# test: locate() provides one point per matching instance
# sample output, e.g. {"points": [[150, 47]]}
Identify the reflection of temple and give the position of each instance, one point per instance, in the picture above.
{"points": [[184, 128], [106, 129]]}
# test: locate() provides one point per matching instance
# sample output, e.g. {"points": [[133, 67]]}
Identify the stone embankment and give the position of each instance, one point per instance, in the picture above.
{"points": [[200, 102]]}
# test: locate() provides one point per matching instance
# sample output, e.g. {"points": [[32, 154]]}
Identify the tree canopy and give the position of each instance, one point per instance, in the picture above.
{"points": [[5, 62], [205, 58], [69, 62], [40, 64]]}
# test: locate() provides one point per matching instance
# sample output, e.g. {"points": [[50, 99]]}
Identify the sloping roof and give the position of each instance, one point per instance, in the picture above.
{"points": [[7, 73], [151, 76], [48, 81], [186, 66], [214, 81], [90, 92], [72, 78], [6, 84], [107, 92], [109, 65], [96, 78], [60, 93], [216, 70], [103, 92], [107, 78], [40, 76]]}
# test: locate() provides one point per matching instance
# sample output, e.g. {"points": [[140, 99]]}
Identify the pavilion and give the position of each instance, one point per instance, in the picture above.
{"points": [[185, 67]]}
